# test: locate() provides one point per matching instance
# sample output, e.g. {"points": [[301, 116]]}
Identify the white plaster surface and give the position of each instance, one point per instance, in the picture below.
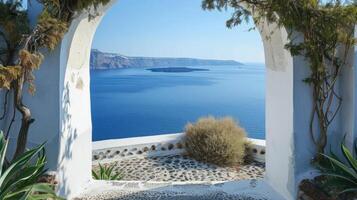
{"points": [[134, 141], [279, 119]]}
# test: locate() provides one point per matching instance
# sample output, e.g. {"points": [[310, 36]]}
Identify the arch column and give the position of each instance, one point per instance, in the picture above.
{"points": [[279, 112], [75, 139], [61, 105]]}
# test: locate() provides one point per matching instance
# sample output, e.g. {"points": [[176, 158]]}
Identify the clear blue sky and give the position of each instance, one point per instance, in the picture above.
{"points": [[175, 28]]}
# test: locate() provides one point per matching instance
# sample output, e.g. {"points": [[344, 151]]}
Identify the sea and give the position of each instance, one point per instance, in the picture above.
{"points": [[134, 102]]}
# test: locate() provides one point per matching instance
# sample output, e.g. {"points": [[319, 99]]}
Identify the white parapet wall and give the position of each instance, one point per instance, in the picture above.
{"points": [[159, 145]]}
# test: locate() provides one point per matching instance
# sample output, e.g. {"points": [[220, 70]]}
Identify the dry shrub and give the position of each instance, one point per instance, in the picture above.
{"points": [[217, 141]]}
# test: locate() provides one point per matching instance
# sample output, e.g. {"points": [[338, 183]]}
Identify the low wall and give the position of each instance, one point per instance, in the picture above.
{"points": [[158, 145]]}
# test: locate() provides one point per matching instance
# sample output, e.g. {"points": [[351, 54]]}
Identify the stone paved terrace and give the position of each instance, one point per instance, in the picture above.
{"points": [[149, 195], [229, 190], [178, 168], [159, 169]]}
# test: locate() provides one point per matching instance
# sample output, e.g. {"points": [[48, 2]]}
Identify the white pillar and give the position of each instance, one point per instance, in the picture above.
{"points": [[61, 105], [74, 161], [279, 107]]}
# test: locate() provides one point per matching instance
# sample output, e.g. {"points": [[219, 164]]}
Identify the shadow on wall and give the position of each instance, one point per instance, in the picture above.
{"points": [[69, 134]]}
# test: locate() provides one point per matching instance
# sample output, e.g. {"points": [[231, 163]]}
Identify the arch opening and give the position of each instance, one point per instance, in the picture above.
{"points": [[129, 92]]}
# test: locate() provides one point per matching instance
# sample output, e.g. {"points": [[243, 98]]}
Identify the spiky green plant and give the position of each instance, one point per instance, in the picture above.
{"points": [[19, 179], [106, 172], [341, 174]]}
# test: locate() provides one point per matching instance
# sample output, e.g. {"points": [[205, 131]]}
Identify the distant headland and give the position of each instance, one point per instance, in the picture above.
{"points": [[102, 60]]}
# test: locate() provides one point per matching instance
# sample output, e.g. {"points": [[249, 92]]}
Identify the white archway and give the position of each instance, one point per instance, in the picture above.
{"points": [[62, 108]]}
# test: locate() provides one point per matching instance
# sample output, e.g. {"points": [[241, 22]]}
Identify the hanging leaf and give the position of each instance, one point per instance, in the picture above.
{"points": [[30, 61], [8, 74]]}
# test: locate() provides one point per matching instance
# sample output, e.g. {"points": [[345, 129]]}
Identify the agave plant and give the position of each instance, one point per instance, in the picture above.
{"points": [[19, 179], [341, 174], [106, 173]]}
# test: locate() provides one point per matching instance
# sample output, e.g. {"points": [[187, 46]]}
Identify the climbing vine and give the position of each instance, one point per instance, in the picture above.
{"points": [[20, 46], [322, 32]]}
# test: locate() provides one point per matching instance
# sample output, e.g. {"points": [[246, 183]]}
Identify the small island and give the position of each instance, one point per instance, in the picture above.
{"points": [[176, 69]]}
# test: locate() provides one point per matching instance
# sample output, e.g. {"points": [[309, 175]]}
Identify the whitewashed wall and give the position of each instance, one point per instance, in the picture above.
{"points": [[348, 115], [61, 108]]}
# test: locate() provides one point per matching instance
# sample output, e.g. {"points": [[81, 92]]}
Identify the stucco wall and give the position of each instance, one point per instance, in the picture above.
{"points": [[348, 85]]}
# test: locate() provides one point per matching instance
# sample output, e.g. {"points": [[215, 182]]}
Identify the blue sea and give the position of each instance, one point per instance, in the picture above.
{"points": [[138, 102]]}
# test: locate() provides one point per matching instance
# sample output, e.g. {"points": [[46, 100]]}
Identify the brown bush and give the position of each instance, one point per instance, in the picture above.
{"points": [[217, 141]]}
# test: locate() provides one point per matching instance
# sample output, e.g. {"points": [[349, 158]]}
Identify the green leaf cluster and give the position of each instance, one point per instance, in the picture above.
{"points": [[106, 172], [19, 179], [341, 173], [13, 24], [17, 36]]}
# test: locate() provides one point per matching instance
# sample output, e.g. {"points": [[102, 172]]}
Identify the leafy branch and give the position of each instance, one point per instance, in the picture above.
{"points": [[325, 26]]}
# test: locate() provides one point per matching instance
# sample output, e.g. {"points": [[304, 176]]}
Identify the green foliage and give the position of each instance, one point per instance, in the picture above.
{"points": [[324, 26], [17, 36], [13, 23], [18, 180], [8, 74], [53, 27], [13, 26], [106, 172], [218, 141], [341, 173], [65, 9]]}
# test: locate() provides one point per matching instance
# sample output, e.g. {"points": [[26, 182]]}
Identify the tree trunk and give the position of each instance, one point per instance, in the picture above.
{"points": [[26, 118], [321, 143]]}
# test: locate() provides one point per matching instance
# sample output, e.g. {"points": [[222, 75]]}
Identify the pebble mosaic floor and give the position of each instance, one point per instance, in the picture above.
{"points": [[148, 195], [178, 168]]}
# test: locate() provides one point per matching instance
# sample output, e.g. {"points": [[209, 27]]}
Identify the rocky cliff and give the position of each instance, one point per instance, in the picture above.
{"points": [[102, 60]]}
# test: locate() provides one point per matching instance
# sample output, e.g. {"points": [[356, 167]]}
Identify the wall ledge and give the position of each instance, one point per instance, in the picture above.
{"points": [[105, 151]]}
